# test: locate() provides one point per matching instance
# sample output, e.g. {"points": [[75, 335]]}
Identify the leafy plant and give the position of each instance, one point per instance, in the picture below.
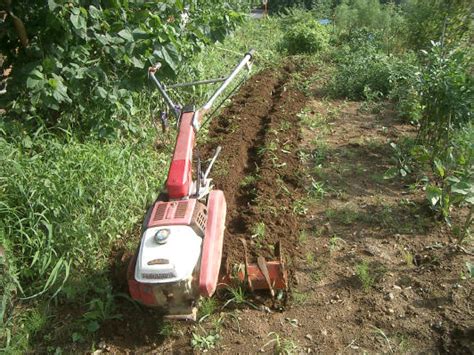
{"points": [[258, 234], [207, 306], [167, 329], [99, 310], [238, 297], [86, 62], [281, 345], [306, 37], [334, 243], [205, 342]]}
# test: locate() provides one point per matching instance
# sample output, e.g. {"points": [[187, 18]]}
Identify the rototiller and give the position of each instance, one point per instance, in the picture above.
{"points": [[180, 252]]}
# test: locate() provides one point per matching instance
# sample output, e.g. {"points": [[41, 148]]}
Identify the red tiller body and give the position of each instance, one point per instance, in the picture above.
{"points": [[179, 179]]}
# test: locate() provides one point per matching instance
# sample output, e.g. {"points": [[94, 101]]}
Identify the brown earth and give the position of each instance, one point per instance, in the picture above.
{"points": [[311, 169]]}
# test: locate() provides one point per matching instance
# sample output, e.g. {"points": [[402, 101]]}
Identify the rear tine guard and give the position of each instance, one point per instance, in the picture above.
{"points": [[213, 242]]}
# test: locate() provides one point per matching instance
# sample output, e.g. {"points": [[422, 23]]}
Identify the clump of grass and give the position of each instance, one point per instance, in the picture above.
{"points": [[408, 257], [299, 298], [258, 234], [364, 275], [303, 237], [335, 243], [207, 307], [281, 345], [305, 37], [205, 341], [238, 297], [248, 180], [167, 329]]}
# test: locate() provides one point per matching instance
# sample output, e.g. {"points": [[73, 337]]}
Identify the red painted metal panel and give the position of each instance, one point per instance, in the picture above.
{"points": [[139, 291], [172, 213], [180, 176], [213, 241]]}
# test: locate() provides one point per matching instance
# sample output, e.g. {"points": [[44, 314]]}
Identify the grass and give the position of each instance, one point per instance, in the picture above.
{"points": [[206, 340], [300, 298], [207, 307], [258, 234], [335, 243], [364, 275], [281, 345], [248, 180]]}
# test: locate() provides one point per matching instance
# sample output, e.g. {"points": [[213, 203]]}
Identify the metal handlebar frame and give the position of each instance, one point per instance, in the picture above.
{"points": [[176, 109]]}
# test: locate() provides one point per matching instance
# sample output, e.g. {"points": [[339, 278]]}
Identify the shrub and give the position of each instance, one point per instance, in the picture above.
{"points": [[372, 16], [306, 37], [360, 72], [437, 20], [87, 60]]}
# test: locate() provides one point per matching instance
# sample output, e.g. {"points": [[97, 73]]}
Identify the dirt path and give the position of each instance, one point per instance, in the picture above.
{"points": [[309, 171]]}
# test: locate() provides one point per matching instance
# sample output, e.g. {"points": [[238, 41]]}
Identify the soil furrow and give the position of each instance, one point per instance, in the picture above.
{"points": [[259, 135]]}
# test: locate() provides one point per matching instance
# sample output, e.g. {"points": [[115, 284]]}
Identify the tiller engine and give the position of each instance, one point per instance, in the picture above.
{"points": [[180, 252]]}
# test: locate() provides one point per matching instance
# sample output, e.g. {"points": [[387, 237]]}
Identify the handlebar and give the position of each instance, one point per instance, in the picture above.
{"points": [[176, 109]]}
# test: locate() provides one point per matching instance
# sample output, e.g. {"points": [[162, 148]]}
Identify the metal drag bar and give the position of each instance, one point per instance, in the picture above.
{"points": [[231, 77], [169, 102], [192, 83]]}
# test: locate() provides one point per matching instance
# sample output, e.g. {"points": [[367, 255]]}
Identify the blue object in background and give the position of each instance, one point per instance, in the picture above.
{"points": [[324, 21]]}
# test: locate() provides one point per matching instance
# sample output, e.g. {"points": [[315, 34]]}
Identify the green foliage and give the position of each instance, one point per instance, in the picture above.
{"points": [[363, 273], [205, 342], [86, 62], [446, 135], [381, 20], [437, 20], [447, 90], [60, 207], [281, 346], [363, 69], [99, 310], [207, 306], [321, 8], [306, 37]]}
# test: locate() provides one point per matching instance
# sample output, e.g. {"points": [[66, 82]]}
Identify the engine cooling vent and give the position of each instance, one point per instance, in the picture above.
{"points": [[199, 220], [186, 212], [159, 213], [181, 209]]}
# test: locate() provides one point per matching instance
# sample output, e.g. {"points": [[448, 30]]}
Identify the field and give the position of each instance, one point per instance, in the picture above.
{"points": [[370, 270], [332, 151]]}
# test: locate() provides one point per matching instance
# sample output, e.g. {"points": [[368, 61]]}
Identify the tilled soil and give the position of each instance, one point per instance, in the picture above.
{"points": [[259, 168], [311, 171]]}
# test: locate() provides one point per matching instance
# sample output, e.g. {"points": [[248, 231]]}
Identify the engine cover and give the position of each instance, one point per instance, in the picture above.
{"points": [[169, 259], [180, 254]]}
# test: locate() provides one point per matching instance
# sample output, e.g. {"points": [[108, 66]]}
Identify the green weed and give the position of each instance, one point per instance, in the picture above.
{"points": [[309, 258], [258, 234], [305, 37], [281, 345], [300, 207], [299, 298], [238, 297], [364, 275], [303, 237], [248, 180], [205, 341], [207, 307], [335, 243], [167, 329], [408, 257]]}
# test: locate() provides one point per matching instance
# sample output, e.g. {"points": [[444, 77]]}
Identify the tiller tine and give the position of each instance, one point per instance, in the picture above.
{"points": [[264, 275]]}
